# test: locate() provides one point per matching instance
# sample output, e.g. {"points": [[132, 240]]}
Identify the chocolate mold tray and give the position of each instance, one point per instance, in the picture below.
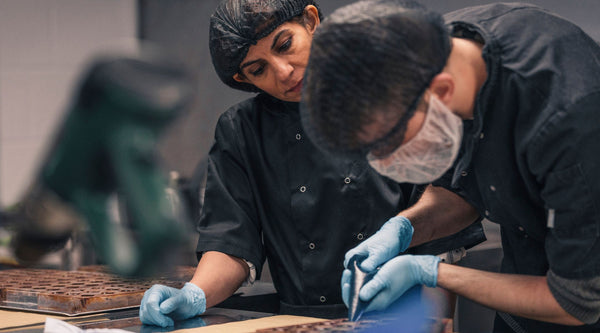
{"points": [[73, 293], [333, 325], [374, 324]]}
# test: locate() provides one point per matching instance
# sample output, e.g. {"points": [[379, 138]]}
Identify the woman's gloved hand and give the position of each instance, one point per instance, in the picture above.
{"points": [[161, 304], [391, 239], [395, 277]]}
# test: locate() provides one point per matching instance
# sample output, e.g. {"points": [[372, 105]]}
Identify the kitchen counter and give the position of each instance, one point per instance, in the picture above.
{"points": [[213, 320]]}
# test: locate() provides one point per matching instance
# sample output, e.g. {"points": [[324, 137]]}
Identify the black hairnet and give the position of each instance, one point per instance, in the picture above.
{"points": [[373, 57], [237, 24]]}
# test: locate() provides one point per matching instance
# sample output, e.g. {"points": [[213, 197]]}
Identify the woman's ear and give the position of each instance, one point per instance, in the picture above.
{"points": [[240, 78], [443, 86], [311, 14]]}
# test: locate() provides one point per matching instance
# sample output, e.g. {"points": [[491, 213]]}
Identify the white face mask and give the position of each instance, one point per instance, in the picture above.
{"points": [[430, 153]]}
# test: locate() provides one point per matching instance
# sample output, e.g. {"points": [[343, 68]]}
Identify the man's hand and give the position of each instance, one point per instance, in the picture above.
{"points": [[161, 304], [391, 239], [395, 278]]}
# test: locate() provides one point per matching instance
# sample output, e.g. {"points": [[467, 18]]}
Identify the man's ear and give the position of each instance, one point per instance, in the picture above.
{"points": [[240, 78], [311, 13], [443, 86]]}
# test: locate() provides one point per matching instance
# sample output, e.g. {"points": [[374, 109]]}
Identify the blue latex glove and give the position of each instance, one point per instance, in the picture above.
{"points": [[394, 278], [345, 284], [393, 237], [161, 304]]}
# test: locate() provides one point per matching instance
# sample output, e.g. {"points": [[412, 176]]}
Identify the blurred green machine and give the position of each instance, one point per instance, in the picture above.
{"points": [[106, 148]]}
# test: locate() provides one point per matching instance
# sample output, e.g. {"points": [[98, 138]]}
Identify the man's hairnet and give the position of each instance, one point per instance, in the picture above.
{"points": [[370, 58], [237, 24]]}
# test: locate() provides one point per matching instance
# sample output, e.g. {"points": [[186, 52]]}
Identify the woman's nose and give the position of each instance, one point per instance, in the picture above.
{"points": [[283, 70]]}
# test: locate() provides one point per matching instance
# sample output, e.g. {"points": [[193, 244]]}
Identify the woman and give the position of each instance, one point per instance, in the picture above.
{"points": [[269, 192]]}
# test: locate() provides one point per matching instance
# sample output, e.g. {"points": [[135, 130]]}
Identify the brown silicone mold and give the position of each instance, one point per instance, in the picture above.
{"points": [[88, 290]]}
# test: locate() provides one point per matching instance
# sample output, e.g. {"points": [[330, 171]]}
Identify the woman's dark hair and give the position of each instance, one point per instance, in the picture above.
{"points": [[373, 57], [237, 24]]}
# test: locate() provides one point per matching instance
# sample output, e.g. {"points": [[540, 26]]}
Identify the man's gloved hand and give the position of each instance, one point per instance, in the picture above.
{"points": [[391, 239], [393, 279], [346, 279], [161, 304]]}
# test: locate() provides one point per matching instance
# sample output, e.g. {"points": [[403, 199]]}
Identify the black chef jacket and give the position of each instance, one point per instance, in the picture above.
{"points": [[270, 191], [530, 158]]}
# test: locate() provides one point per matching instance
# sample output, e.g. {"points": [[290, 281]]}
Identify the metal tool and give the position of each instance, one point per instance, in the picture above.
{"points": [[359, 278], [104, 148]]}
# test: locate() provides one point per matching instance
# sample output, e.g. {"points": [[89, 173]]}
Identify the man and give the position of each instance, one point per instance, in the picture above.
{"points": [[498, 106]]}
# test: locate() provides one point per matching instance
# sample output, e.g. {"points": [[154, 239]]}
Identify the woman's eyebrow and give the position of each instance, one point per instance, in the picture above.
{"points": [[246, 64]]}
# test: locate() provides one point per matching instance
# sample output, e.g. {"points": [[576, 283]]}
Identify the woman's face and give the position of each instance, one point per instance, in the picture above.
{"points": [[277, 62]]}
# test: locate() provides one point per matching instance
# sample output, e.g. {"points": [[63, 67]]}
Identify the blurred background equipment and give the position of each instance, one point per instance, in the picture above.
{"points": [[106, 147]]}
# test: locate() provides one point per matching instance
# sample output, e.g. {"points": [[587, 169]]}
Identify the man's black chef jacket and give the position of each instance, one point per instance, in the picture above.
{"points": [[270, 191], [530, 158]]}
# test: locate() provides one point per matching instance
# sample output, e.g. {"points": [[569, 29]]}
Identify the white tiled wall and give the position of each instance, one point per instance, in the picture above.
{"points": [[44, 46]]}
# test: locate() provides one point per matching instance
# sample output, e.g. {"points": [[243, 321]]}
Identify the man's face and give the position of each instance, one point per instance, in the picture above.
{"points": [[276, 64], [427, 149]]}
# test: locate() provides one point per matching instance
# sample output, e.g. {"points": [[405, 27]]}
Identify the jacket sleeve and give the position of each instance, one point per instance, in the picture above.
{"points": [[565, 161], [229, 221]]}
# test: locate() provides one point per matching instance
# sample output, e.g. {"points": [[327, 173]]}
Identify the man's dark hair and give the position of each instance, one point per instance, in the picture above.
{"points": [[370, 57]]}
